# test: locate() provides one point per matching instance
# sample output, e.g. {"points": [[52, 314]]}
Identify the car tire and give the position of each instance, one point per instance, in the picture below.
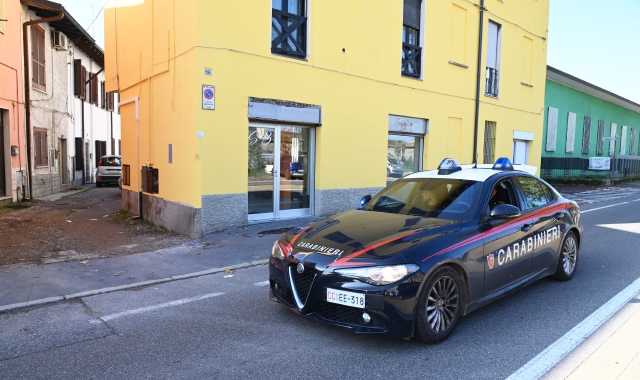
{"points": [[567, 258], [440, 306], [98, 184]]}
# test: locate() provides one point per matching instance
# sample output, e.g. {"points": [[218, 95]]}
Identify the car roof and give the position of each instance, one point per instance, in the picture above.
{"points": [[480, 173]]}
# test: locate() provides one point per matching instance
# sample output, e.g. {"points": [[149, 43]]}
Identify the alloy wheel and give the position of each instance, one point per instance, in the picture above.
{"points": [[569, 255], [442, 304]]}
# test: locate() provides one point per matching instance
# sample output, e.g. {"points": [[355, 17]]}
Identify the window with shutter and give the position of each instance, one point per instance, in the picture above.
{"points": [[93, 85], [103, 95], [289, 27], [493, 53], [489, 141], [40, 151], [411, 50], [37, 58], [586, 134], [77, 78]]}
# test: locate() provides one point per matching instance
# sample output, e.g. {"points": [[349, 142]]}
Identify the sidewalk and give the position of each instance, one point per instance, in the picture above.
{"points": [[612, 352], [23, 285]]}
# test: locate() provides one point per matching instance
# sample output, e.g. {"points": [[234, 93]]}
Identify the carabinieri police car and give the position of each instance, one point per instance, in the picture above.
{"points": [[428, 249]]}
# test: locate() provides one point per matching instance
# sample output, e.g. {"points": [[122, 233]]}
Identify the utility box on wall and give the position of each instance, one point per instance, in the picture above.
{"points": [[150, 180]]}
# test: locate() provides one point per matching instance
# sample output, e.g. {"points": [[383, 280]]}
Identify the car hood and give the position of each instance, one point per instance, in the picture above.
{"points": [[359, 235]]}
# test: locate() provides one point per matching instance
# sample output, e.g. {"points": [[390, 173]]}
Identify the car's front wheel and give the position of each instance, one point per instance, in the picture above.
{"points": [[440, 306], [568, 258]]}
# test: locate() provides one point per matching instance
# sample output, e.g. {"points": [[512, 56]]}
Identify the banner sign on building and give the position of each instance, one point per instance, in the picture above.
{"points": [[599, 163], [208, 97]]}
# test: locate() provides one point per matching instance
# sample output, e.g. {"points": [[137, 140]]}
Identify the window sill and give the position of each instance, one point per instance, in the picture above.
{"points": [[492, 96], [526, 84], [283, 55], [410, 77], [42, 90]]}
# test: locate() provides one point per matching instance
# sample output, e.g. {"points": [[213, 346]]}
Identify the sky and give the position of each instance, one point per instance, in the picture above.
{"points": [[594, 40]]}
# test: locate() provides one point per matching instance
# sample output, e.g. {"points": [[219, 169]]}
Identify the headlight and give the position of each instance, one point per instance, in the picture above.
{"points": [[381, 275], [276, 251]]}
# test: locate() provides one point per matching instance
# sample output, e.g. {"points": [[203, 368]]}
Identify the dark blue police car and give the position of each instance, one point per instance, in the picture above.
{"points": [[428, 249]]}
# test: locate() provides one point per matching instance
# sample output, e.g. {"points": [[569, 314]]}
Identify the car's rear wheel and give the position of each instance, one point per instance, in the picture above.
{"points": [[568, 258], [440, 306]]}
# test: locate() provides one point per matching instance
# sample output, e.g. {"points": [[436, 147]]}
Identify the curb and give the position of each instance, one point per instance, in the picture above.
{"points": [[44, 301]]}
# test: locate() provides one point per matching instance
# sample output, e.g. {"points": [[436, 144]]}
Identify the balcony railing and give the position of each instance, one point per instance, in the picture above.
{"points": [[411, 59], [288, 34], [491, 82]]}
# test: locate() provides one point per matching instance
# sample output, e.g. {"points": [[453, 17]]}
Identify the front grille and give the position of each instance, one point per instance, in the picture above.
{"points": [[302, 282], [338, 313]]}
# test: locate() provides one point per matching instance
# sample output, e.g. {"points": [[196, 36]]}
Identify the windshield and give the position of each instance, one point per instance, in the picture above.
{"points": [[441, 198], [393, 161]]}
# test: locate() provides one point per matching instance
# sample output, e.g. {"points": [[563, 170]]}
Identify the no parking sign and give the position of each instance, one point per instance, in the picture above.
{"points": [[208, 97]]}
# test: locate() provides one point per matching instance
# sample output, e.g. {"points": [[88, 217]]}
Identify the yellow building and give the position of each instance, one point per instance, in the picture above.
{"points": [[322, 101]]}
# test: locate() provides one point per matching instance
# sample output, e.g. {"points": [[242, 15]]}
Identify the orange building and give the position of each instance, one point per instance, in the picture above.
{"points": [[13, 162]]}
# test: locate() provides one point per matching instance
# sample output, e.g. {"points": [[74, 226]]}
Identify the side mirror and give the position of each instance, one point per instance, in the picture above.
{"points": [[504, 211], [364, 201]]}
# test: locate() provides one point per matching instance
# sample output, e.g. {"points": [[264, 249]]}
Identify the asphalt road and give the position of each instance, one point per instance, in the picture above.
{"points": [[214, 327]]}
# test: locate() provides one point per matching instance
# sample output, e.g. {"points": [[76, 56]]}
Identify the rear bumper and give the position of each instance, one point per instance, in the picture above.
{"points": [[107, 178]]}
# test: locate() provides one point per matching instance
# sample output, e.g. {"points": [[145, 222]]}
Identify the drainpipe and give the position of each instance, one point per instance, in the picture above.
{"points": [[27, 88], [138, 169], [478, 85]]}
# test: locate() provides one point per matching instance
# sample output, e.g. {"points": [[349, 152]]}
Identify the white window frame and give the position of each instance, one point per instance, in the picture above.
{"points": [[498, 57]]}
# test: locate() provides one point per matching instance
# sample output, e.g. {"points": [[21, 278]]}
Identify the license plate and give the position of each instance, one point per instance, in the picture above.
{"points": [[345, 298]]}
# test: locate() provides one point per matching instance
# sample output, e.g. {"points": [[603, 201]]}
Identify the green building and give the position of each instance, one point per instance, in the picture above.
{"points": [[579, 123]]}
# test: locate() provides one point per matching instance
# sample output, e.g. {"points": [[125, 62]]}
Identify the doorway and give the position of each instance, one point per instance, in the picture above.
{"points": [[280, 171], [520, 152], [3, 191]]}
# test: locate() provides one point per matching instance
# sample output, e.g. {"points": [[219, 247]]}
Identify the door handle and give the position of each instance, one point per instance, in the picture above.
{"points": [[558, 215], [527, 227]]}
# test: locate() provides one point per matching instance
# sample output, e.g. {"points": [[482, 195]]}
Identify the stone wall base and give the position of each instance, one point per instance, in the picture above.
{"points": [[224, 211]]}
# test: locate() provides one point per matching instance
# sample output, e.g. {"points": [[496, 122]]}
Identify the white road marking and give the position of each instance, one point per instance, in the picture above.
{"points": [[263, 283], [600, 208], [552, 355], [110, 317]]}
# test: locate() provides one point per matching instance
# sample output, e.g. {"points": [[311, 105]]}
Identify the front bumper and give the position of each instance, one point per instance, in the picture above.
{"points": [[390, 307]]}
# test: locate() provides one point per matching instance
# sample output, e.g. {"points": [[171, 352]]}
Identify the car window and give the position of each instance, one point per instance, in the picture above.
{"points": [[392, 161], [437, 198], [550, 196], [502, 193], [109, 161], [534, 195]]}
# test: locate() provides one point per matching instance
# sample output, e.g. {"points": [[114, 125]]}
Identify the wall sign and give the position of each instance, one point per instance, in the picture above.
{"points": [[599, 163], [208, 72], [208, 97]]}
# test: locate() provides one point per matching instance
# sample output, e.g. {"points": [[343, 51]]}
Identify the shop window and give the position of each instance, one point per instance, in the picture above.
{"points": [[38, 58], [289, 28], [411, 50], [489, 142], [404, 156]]}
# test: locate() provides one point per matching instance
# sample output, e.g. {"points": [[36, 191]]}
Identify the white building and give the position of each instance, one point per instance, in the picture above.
{"points": [[72, 120]]}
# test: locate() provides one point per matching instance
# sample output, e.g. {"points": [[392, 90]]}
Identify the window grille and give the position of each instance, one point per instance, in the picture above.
{"points": [[411, 50], [489, 142], [289, 28]]}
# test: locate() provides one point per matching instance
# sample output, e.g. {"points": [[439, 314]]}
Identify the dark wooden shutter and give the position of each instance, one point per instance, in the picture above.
{"points": [[38, 57], [93, 85], [40, 151], [79, 156], [97, 152], [102, 96], [113, 146], [77, 78], [411, 14]]}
